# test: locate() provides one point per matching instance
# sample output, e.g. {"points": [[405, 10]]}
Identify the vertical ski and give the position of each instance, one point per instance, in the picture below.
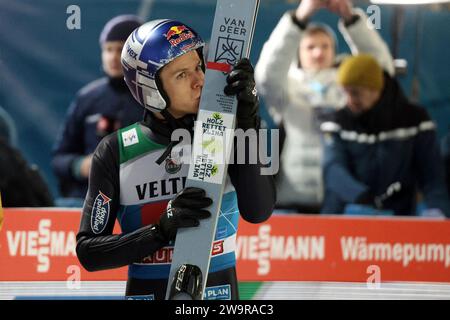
{"points": [[233, 28]]}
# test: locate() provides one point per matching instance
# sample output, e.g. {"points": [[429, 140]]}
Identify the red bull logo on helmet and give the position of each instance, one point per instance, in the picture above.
{"points": [[175, 30], [178, 34]]}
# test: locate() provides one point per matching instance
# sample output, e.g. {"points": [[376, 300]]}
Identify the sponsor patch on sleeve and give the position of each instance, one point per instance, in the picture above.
{"points": [[100, 213], [130, 137]]}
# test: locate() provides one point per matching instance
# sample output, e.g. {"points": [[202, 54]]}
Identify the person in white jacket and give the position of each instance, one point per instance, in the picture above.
{"points": [[296, 76]]}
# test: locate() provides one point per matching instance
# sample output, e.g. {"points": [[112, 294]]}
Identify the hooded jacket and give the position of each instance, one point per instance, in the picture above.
{"points": [[299, 99]]}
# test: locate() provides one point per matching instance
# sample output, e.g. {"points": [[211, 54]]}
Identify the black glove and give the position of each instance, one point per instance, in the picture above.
{"points": [[241, 82], [367, 199], [393, 192], [184, 211]]}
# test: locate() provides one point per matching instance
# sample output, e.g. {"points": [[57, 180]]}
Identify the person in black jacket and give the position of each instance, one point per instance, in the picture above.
{"points": [[381, 149], [99, 108], [21, 184], [445, 147]]}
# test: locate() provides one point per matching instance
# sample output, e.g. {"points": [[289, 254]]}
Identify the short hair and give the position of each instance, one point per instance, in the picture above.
{"points": [[315, 28]]}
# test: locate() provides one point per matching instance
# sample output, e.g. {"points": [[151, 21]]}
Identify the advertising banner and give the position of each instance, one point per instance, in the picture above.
{"points": [[40, 244]]}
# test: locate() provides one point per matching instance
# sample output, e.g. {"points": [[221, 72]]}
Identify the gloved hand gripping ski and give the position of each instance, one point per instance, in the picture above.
{"points": [[184, 211], [193, 247], [241, 82]]}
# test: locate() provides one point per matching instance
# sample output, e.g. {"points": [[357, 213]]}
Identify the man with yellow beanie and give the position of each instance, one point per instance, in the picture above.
{"points": [[362, 80], [381, 149]]}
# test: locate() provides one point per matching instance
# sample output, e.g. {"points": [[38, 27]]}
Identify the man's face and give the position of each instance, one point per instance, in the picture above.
{"points": [[316, 52], [111, 51], [183, 80], [361, 99]]}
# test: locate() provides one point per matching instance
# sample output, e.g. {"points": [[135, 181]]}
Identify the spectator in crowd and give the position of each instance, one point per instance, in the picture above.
{"points": [[296, 75], [1, 212], [381, 149], [8, 129], [4, 132], [445, 147], [21, 185], [98, 109]]}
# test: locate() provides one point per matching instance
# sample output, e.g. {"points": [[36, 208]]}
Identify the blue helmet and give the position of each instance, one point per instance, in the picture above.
{"points": [[149, 48]]}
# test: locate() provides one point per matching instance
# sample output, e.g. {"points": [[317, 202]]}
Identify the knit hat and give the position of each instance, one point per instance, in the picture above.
{"points": [[362, 71], [119, 28]]}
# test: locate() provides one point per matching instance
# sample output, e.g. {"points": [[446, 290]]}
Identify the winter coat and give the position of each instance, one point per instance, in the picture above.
{"points": [[21, 184], [99, 108], [299, 99], [393, 143]]}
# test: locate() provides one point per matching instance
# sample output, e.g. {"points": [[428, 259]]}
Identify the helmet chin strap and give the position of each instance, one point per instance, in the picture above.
{"points": [[186, 122]]}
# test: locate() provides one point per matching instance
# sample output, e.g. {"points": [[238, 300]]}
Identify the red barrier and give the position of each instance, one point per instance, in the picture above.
{"points": [[339, 248], [39, 245]]}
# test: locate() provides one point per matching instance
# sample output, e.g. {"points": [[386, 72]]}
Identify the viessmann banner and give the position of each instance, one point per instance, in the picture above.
{"points": [[39, 245]]}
